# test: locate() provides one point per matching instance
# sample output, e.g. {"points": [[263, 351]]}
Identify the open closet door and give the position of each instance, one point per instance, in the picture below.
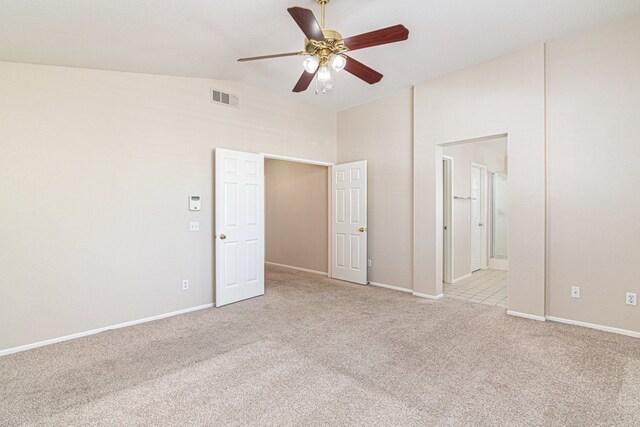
{"points": [[239, 225], [349, 222]]}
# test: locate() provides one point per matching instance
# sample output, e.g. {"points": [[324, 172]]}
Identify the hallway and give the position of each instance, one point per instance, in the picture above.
{"points": [[484, 286]]}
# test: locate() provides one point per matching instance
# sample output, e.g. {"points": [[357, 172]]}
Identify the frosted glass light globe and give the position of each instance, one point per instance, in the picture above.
{"points": [[311, 64], [324, 75], [338, 62]]}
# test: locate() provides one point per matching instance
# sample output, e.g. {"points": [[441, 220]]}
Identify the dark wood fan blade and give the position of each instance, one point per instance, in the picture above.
{"points": [[393, 34], [304, 81], [307, 23], [279, 55], [363, 72]]}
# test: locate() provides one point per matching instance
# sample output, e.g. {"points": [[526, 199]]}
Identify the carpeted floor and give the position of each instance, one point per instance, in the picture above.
{"points": [[315, 351]]}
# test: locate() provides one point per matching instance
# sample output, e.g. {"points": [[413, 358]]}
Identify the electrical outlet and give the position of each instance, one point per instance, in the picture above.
{"points": [[194, 226], [185, 285], [369, 263], [632, 298], [575, 292]]}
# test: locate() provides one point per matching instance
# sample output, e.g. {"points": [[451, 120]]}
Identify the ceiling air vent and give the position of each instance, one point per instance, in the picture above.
{"points": [[218, 97]]}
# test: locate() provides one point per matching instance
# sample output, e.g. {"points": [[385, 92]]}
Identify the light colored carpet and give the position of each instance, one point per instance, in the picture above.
{"points": [[315, 351]]}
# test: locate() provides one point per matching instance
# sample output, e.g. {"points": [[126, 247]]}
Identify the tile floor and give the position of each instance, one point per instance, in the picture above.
{"points": [[484, 286]]}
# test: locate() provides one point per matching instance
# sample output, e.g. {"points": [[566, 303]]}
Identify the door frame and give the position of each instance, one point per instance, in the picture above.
{"points": [[447, 220], [317, 163], [329, 194], [484, 242], [296, 159]]}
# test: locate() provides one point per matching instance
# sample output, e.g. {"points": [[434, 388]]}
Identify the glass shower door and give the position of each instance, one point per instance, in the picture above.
{"points": [[499, 218]]}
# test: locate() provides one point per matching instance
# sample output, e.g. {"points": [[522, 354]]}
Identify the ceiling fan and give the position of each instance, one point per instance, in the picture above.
{"points": [[326, 48]]}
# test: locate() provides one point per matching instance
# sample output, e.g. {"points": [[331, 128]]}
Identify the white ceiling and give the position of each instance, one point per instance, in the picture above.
{"points": [[203, 38]]}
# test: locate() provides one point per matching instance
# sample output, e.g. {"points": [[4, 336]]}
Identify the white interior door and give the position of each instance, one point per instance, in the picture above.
{"points": [[476, 218], [239, 225], [349, 222]]}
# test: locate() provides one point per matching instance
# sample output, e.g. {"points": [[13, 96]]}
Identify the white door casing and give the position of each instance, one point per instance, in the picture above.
{"points": [[239, 225], [349, 222], [447, 219], [476, 218]]}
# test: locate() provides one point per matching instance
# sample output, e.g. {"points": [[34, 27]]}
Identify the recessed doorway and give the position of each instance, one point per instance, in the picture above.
{"points": [[317, 217], [475, 222], [297, 215]]}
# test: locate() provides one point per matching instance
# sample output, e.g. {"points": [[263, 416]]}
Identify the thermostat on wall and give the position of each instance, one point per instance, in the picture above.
{"points": [[195, 203]]}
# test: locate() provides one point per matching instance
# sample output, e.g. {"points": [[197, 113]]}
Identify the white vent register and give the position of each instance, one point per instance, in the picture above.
{"points": [[218, 97]]}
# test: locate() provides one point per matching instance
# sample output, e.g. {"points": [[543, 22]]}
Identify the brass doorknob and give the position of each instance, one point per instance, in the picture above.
{"points": [[361, 229], [222, 237]]}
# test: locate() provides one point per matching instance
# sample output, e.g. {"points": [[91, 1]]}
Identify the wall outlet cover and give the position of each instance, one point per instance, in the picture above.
{"points": [[194, 226], [575, 292], [369, 263], [185, 285], [632, 298]]}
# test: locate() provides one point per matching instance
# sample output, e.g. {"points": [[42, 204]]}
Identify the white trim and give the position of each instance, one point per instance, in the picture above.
{"points": [[610, 329], [103, 329], [526, 316], [296, 159], [329, 222], [449, 236], [474, 140], [306, 270], [394, 288], [459, 279], [437, 297]]}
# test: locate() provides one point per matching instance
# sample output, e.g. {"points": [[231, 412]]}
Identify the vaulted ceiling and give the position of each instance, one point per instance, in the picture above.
{"points": [[203, 38]]}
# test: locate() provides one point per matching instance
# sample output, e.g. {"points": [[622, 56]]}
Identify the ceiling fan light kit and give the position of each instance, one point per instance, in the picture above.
{"points": [[338, 62], [311, 64], [326, 49]]}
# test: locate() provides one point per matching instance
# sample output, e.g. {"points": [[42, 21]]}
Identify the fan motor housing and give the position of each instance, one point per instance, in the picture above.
{"points": [[323, 49]]}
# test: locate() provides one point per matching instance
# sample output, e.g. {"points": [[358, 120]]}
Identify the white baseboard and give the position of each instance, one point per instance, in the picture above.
{"points": [[436, 297], [594, 326], [103, 329], [526, 316], [459, 279], [395, 288], [306, 270]]}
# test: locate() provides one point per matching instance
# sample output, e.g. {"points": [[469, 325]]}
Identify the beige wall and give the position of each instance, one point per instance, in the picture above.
{"points": [[587, 235], [503, 96], [96, 166], [381, 133], [296, 198], [95, 171], [593, 119], [464, 155]]}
